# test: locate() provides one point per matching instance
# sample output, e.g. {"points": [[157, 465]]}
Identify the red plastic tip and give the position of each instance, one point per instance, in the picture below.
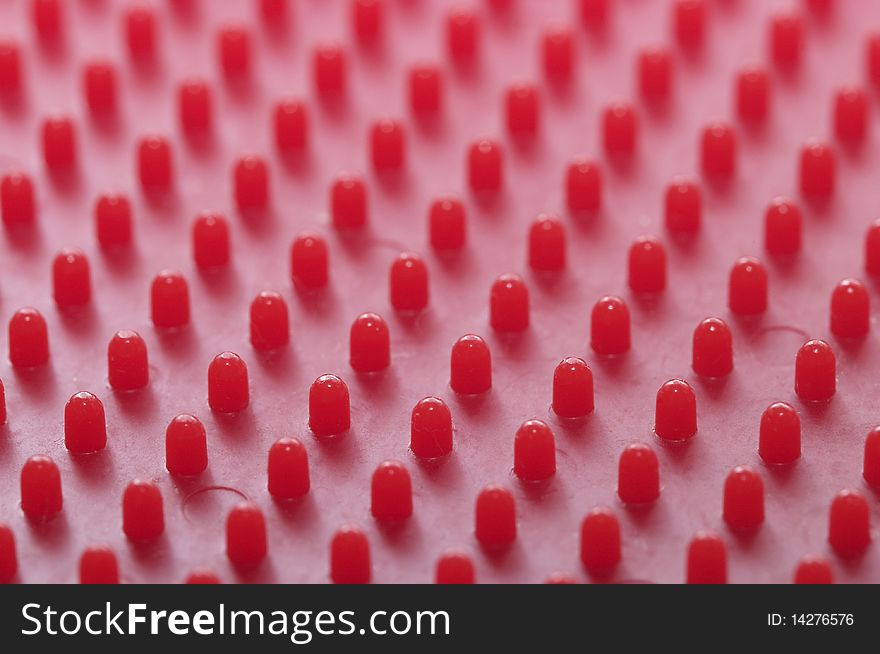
{"points": [[85, 428], [9, 560], [753, 95], [872, 59], [2, 403], [367, 17], [782, 227], [600, 542], [154, 164], [40, 488], [388, 142], [274, 12], [369, 343], [455, 568], [169, 300], [815, 372], [59, 144], [348, 202], [485, 173], [683, 207], [871, 468], [779, 439], [291, 126], [10, 68], [718, 151], [113, 221], [547, 244], [849, 528], [851, 115], [813, 570], [234, 50], [470, 366], [202, 577], [140, 29], [142, 515], [462, 36], [509, 304], [194, 107], [251, 181], [638, 475], [786, 40], [328, 66], [48, 20], [573, 388], [523, 110], [71, 282], [534, 451], [99, 86], [647, 265], [408, 283], [594, 13], [269, 324], [557, 49], [743, 499], [127, 366], [329, 406], [391, 493], [425, 90], [706, 559], [818, 170], [308, 262], [583, 186], [713, 348], [655, 75], [17, 199], [619, 130], [431, 429], [350, 557], [747, 289], [495, 517], [689, 23], [228, 390], [609, 326], [28, 339], [98, 565], [447, 224], [872, 250], [288, 469], [850, 310], [675, 417], [210, 239], [246, 536], [186, 446]]}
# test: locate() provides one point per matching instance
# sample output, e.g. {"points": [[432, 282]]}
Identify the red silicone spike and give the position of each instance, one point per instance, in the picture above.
{"points": [[713, 348], [169, 300], [309, 262], [849, 529], [557, 53], [495, 518], [143, 518], [779, 441], [689, 22], [17, 199], [127, 365], [85, 427], [782, 227], [813, 570], [98, 565], [40, 488], [647, 265], [228, 388], [683, 207], [583, 186], [850, 310], [350, 557], [638, 476], [753, 91], [329, 406], [113, 221], [431, 429], [534, 452], [675, 418], [269, 324], [747, 288], [391, 493], [246, 542], [71, 280], [408, 283], [447, 224], [573, 388], [600, 542], [210, 237], [288, 469], [195, 108], [743, 499], [509, 304], [786, 40], [815, 372], [186, 446], [609, 326], [291, 126], [28, 339], [8, 557], [455, 568], [620, 130], [871, 466], [706, 559], [369, 343]]}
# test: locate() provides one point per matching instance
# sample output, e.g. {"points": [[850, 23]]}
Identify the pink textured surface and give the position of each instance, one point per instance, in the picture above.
{"points": [[549, 515]]}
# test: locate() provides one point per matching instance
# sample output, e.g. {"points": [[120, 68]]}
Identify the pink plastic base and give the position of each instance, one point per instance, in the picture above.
{"points": [[549, 514]]}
